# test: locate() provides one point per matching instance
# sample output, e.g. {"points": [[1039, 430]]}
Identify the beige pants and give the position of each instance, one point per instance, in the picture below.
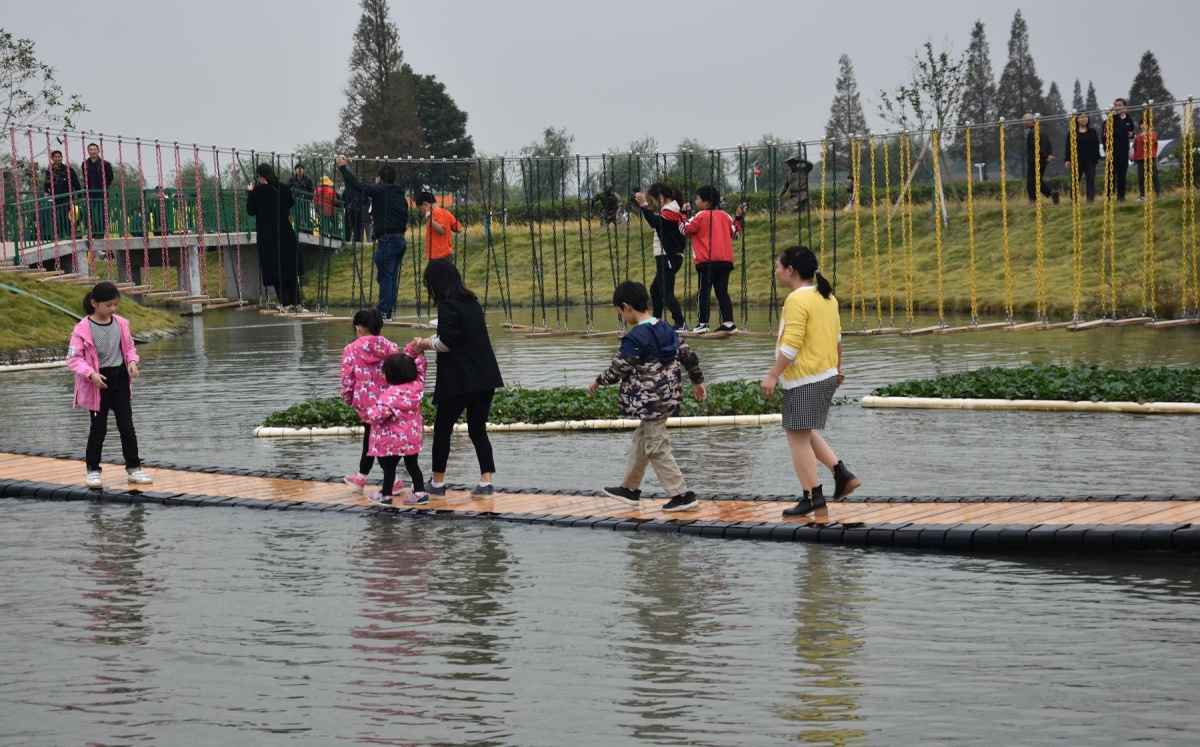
{"points": [[651, 446]]}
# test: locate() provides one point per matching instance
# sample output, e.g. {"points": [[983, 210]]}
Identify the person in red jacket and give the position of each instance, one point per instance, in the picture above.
{"points": [[1145, 155], [713, 232], [325, 200]]}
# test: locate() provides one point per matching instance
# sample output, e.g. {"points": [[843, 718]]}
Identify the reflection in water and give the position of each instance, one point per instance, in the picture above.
{"points": [[115, 605], [433, 638], [829, 642]]}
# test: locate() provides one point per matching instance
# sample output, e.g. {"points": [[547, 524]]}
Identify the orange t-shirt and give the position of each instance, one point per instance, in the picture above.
{"points": [[441, 245]]}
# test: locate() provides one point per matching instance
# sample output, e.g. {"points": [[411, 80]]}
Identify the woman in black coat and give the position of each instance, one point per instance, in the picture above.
{"points": [[467, 373], [278, 248], [1085, 154]]}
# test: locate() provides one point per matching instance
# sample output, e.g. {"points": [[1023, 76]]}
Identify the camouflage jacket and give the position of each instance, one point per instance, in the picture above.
{"points": [[648, 368]]}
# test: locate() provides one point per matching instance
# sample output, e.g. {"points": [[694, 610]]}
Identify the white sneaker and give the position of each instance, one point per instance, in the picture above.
{"points": [[137, 477], [700, 330], [94, 481]]}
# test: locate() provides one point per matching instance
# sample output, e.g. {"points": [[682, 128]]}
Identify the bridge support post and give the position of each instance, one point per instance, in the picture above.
{"points": [[191, 283]]}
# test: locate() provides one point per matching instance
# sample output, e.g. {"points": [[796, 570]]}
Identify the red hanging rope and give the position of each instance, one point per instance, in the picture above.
{"points": [[17, 189], [145, 216], [202, 251], [53, 199], [108, 253], [217, 222], [185, 272], [17, 193], [66, 151], [162, 215], [237, 224], [125, 234]]}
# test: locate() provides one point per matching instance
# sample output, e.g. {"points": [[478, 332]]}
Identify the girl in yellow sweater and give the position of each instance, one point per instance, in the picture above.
{"points": [[808, 366]]}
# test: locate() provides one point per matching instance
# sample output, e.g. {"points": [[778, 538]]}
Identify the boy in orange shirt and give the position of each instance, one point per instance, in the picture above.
{"points": [[440, 223]]}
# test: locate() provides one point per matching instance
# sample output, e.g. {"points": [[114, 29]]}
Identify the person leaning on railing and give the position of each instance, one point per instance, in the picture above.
{"points": [[389, 217]]}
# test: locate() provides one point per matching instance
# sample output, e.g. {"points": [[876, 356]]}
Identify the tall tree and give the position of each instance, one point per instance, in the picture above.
{"points": [[1092, 105], [549, 172], [1148, 86], [1056, 129], [1077, 97], [979, 102], [1020, 88], [443, 133], [846, 117], [380, 116]]}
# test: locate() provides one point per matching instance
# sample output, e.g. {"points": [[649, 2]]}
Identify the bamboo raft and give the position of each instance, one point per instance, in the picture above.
{"points": [[959, 524]]}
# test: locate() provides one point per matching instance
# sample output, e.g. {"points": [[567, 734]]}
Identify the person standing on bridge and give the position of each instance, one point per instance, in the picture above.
{"points": [[270, 202], [97, 179], [440, 223], [389, 219], [61, 181], [808, 366]]}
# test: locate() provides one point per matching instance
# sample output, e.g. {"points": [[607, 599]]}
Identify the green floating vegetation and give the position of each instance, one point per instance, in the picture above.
{"points": [[1074, 383], [517, 405]]}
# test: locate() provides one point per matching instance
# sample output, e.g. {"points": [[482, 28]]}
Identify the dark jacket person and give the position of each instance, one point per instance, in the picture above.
{"points": [[278, 248]]}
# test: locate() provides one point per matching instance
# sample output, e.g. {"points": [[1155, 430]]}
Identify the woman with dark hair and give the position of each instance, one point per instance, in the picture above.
{"points": [[1085, 154], [713, 232], [467, 373], [669, 245], [278, 248], [808, 365]]}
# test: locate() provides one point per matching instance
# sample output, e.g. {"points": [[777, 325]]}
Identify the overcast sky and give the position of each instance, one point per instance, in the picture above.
{"points": [[269, 74]]}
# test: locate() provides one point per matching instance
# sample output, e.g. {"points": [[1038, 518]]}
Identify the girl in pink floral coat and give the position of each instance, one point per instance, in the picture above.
{"points": [[397, 426], [362, 380]]}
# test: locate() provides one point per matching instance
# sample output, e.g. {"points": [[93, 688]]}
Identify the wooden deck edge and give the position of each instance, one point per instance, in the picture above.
{"points": [[1094, 538], [698, 421]]}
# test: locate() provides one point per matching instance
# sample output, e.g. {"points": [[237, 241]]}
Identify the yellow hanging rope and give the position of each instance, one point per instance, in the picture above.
{"points": [[1189, 200], [875, 240], [823, 191], [1076, 219], [937, 222], [971, 227], [906, 221], [887, 181], [858, 291], [1037, 202], [1008, 292], [1108, 222], [1149, 153]]}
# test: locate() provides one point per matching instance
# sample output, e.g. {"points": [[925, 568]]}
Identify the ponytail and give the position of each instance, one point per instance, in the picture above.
{"points": [[710, 195], [100, 292], [665, 192], [370, 320], [804, 262]]}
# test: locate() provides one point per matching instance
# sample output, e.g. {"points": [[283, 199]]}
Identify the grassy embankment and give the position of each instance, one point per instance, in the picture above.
{"points": [[32, 330], [890, 289]]}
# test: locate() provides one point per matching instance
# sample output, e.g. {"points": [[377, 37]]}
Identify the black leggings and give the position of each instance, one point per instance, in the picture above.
{"points": [[287, 290], [477, 406], [365, 463], [662, 288], [389, 463], [117, 399], [714, 275]]}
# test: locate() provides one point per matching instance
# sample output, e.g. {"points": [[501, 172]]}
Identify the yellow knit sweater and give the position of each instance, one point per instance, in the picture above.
{"points": [[809, 331]]}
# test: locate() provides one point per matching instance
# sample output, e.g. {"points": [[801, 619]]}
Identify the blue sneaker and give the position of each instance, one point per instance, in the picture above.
{"points": [[483, 491], [435, 490]]}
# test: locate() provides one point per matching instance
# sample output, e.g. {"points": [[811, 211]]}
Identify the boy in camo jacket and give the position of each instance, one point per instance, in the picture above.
{"points": [[648, 369]]}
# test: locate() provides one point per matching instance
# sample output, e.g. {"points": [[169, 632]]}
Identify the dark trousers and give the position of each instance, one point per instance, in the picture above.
{"points": [[116, 398], [389, 463], [662, 288], [1031, 180], [1087, 174], [98, 218], [1153, 177], [287, 290], [713, 277], [365, 463], [1120, 167], [477, 405], [389, 256]]}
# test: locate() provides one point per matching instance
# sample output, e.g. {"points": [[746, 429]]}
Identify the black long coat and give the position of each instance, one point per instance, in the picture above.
{"points": [[278, 247]]}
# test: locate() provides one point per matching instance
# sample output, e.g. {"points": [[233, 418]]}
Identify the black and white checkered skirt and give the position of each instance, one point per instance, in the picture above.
{"points": [[807, 406]]}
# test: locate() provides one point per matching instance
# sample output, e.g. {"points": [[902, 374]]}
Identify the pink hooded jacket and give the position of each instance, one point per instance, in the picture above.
{"points": [[362, 371], [83, 359], [397, 426]]}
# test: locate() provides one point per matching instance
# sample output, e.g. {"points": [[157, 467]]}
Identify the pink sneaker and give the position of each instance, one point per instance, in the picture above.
{"points": [[356, 482], [380, 499], [397, 487]]}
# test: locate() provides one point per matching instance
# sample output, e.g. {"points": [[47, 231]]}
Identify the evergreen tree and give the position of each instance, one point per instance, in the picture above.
{"points": [[1077, 98], [1148, 86], [846, 117], [1092, 105], [550, 171], [979, 103], [1020, 88], [443, 134], [380, 116], [1055, 129]]}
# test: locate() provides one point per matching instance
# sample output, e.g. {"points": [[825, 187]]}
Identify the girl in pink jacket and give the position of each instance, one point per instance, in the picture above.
{"points": [[397, 426], [105, 363], [362, 380]]}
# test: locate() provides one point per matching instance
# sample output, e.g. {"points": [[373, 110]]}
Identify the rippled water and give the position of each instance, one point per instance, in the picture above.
{"points": [[138, 625]]}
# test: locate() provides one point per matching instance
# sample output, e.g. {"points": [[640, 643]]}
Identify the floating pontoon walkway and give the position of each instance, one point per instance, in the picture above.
{"points": [[974, 523]]}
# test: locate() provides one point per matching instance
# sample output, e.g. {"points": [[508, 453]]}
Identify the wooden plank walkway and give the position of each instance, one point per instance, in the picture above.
{"points": [[970, 523]]}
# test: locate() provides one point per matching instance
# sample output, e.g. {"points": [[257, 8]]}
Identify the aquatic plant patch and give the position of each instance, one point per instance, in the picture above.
{"points": [[1045, 381]]}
